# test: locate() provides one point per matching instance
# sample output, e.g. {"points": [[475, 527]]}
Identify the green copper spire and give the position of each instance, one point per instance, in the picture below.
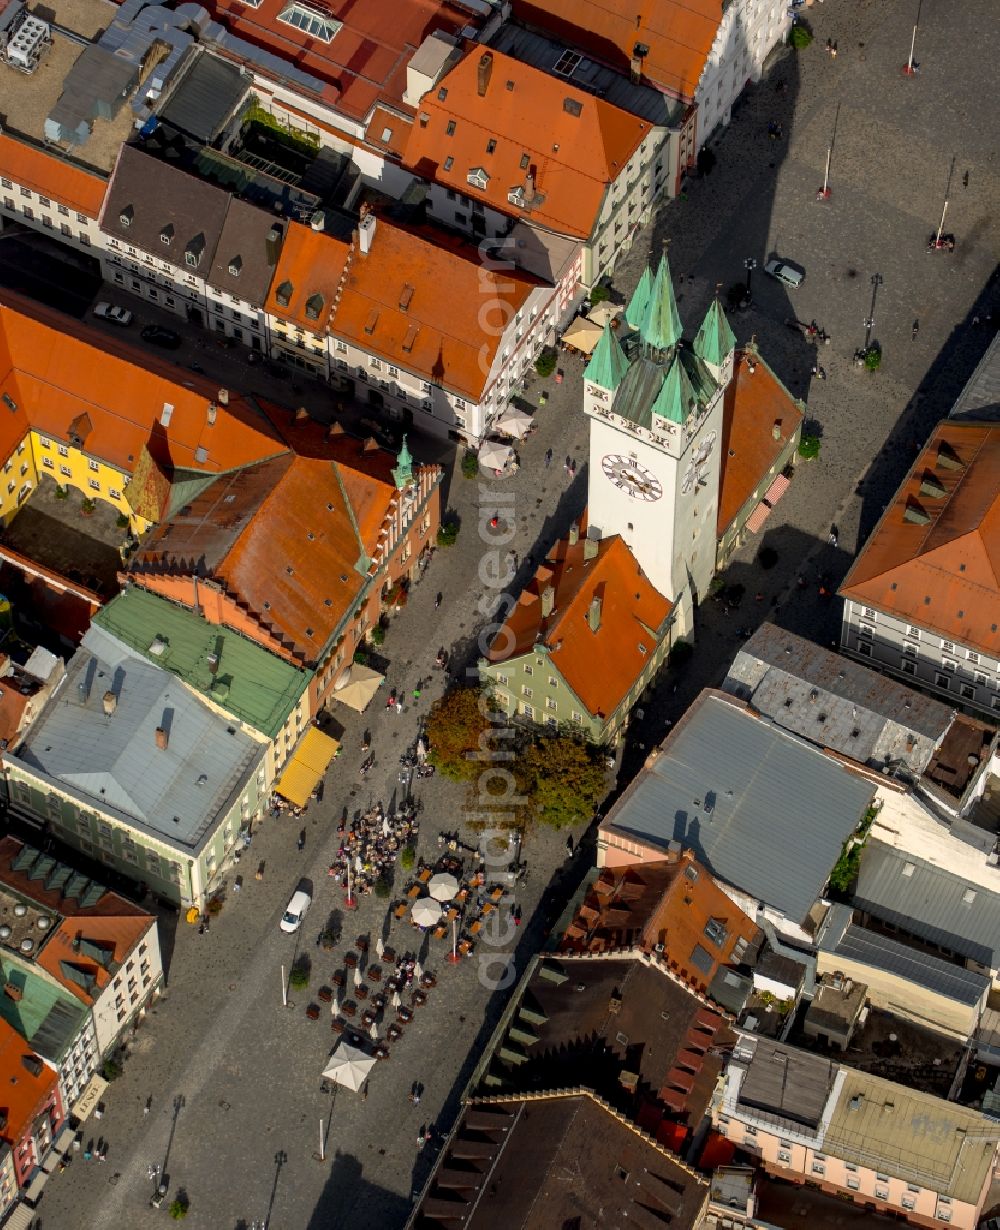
{"points": [[640, 299], [608, 365], [403, 471], [676, 398], [715, 340], [661, 325]]}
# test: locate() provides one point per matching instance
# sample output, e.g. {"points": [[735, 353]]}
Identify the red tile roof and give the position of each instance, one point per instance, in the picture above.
{"points": [[311, 264], [678, 33], [392, 300], [365, 61], [934, 558], [524, 122], [600, 667], [755, 403], [23, 1092], [51, 176]]}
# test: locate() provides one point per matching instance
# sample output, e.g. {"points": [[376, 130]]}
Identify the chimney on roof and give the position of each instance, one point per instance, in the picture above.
{"points": [[162, 738], [529, 187], [574, 533], [776, 429], [548, 600], [222, 397], [110, 703], [213, 410], [366, 230], [485, 72], [272, 244], [594, 613]]}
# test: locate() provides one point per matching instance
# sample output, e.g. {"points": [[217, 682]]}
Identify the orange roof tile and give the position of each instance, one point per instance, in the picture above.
{"points": [[526, 123], [66, 374], [392, 305], [600, 667], [754, 403], [23, 1093], [934, 557], [366, 59], [311, 263], [678, 33], [51, 176], [391, 122], [13, 703]]}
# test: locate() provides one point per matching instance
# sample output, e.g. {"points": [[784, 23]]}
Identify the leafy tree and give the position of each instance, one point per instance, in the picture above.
{"points": [[111, 1070], [809, 447], [407, 857], [454, 729], [377, 635], [178, 1209], [545, 364], [470, 464], [599, 294], [299, 974], [800, 36], [564, 776], [873, 358]]}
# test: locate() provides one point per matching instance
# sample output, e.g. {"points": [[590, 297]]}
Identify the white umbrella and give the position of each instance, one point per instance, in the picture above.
{"points": [[374, 1032], [335, 1004], [379, 948], [515, 422], [357, 976], [357, 862], [493, 455], [426, 912], [396, 1000], [349, 1066], [604, 314], [418, 970], [386, 826], [443, 886]]}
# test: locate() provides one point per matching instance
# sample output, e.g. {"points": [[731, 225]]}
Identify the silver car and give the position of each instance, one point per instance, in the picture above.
{"points": [[784, 272], [113, 313]]}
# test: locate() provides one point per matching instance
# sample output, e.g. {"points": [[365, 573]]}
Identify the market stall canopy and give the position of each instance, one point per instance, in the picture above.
{"points": [[515, 422], [305, 770], [582, 335], [349, 1066], [426, 912], [443, 886], [604, 314], [493, 455], [357, 687]]}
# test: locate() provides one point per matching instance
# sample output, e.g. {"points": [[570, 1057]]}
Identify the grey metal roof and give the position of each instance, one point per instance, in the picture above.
{"points": [[205, 96], [763, 809], [930, 902], [541, 52], [730, 989], [835, 702], [980, 399], [842, 937], [112, 762], [787, 1082]]}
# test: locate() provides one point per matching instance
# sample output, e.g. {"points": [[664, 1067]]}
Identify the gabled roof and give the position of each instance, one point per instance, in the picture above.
{"points": [[678, 35], [715, 339], [532, 134], [933, 560], [246, 253], [47, 1016], [59, 368], [311, 264], [600, 667], [729, 786], [391, 305], [25, 1083], [51, 176], [756, 405], [608, 365]]}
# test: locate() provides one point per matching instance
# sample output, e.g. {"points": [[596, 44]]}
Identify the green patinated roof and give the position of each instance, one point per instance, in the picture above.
{"points": [[677, 397], [403, 470], [660, 327], [715, 339], [702, 380], [608, 365], [46, 1016], [640, 300], [255, 686]]}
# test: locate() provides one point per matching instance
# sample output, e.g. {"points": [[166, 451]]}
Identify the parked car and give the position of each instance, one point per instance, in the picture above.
{"points": [[159, 336], [784, 272], [295, 911], [113, 313], [278, 370]]}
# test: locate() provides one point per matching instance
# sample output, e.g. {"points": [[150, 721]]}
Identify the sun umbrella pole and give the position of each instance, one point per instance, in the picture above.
{"points": [[284, 989], [322, 1145]]}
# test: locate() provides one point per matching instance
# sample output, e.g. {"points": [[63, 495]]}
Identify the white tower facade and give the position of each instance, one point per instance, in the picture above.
{"points": [[656, 409]]}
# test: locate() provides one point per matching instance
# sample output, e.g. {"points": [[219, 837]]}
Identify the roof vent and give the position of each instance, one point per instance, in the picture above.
{"points": [[165, 414], [405, 296], [915, 514], [27, 944], [572, 106], [947, 458], [5, 932], [43, 922], [235, 266], [931, 485]]}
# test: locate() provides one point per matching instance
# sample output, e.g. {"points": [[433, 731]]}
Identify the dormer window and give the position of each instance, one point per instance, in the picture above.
{"points": [[450, 129], [478, 178], [126, 216], [235, 266], [194, 250], [167, 234], [314, 305], [283, 295]]}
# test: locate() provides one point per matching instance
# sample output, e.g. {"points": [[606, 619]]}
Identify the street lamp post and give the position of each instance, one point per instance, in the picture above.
{"points": [[825, 192], [910, 68], [877, 281], [749, 265]]}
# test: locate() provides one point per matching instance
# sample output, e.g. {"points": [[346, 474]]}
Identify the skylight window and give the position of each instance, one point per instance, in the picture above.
{"points": [[310, 21], [567, 63]]}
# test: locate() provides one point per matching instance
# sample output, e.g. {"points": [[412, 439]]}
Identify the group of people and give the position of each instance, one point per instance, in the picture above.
{"points": [[370, 845]]}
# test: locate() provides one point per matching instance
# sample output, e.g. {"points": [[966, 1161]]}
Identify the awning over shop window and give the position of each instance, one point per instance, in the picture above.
{"points": [[776, 490], [86, 1103], [757, 518], [306, 768]]}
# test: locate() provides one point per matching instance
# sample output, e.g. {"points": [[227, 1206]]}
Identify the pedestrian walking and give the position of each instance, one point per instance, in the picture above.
{"points": [[572, 470], [548, 458], [437, 600], [399, 706], [494, 521], [569, 844], [965, 180], [149, 1105], [416, 695], [915, 330]]}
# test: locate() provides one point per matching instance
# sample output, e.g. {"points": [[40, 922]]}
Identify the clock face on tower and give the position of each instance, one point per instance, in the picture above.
{"points": [[635, 480]]}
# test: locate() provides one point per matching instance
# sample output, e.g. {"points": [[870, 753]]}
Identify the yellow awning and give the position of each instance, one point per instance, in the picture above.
{"points": [[306, 767]]}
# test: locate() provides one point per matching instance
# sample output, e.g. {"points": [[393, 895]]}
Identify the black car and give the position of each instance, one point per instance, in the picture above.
{"points": [[278, 371], [159, 336]]}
